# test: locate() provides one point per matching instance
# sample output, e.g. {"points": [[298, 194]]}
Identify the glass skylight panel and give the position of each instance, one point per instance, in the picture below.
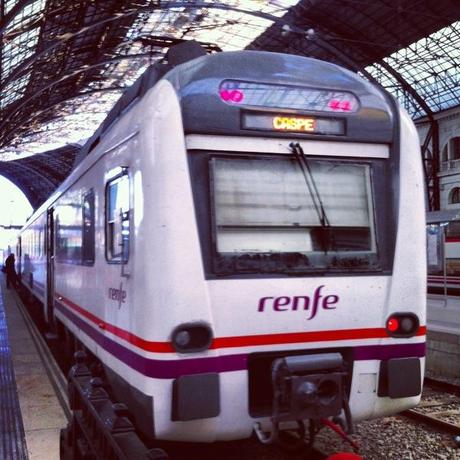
{"points": [[230, 27], [234, 28], [27, 15], [18, 49], [429, 67], [67, 128], [235, 32], [13, 91], [9, 5], [33, 8]]}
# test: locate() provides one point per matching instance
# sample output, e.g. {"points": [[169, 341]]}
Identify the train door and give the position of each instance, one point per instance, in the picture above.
{"points": [[50, 254]]}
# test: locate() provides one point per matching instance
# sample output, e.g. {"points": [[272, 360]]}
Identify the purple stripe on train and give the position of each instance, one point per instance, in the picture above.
{"points": [[169, 369], [385, 352]]}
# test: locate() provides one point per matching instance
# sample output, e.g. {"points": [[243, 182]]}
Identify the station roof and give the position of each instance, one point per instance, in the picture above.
{"points": [[64, 64], [40, 174]]}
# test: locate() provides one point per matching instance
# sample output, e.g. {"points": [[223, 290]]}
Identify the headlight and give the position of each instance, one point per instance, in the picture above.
{"points": [[191, 337]]}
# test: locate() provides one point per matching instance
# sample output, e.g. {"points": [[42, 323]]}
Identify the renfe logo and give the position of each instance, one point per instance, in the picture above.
{"points": [[118, 294], [300, 302]]}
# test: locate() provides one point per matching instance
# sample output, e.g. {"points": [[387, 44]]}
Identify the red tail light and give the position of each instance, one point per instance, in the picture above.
{"points": [[402, 325], [393, 324]]}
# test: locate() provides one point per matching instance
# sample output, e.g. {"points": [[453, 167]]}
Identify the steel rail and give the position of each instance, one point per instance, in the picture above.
{"points": [[442, 385], [432, 419]]}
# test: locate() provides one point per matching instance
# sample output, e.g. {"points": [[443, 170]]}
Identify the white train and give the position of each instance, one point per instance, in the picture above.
{"points": [[242, 247]]}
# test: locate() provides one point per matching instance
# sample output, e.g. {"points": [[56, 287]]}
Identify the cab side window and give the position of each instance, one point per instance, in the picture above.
{"points": [[117, 219]]}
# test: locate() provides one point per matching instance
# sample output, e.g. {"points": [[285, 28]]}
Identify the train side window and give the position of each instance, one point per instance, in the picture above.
{"points": [[117, 219], [88, 249], [69, 232]]}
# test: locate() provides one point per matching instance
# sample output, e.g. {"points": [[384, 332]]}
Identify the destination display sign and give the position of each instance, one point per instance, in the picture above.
{"points": [[293, 123]]}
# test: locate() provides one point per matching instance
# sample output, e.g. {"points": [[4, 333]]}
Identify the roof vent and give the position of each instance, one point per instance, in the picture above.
{"points": [[184, 52]]}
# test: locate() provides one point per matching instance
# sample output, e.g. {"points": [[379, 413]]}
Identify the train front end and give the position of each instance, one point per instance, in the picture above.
{"points": [[309, 302]]}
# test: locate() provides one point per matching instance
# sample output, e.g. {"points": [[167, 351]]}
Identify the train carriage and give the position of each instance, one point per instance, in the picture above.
{"points": [[242, 247]]}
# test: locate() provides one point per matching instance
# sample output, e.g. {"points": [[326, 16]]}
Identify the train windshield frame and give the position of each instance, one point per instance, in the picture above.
{"points": [[267, 218]]}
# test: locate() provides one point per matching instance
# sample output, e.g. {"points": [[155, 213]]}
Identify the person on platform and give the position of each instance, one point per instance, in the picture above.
{"points": [[10, 271]]}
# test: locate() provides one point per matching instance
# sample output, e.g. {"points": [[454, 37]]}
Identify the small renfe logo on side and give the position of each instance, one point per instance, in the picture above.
{"points": [[295, 303], [119, 295]]}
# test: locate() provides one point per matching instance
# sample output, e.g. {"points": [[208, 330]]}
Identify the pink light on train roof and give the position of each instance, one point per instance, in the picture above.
{"points": [[251, 94], [340, 106], [231, 95]]}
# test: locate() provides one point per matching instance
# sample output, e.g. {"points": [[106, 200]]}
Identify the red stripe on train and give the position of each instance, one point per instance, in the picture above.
{"points": [[241, 341]]}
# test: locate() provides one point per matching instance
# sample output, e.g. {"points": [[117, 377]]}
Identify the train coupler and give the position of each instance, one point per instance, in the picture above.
{"points": [[305, 387]]}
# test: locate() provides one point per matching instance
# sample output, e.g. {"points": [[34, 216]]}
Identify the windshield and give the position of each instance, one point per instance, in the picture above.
{"points": [[266, 218]]}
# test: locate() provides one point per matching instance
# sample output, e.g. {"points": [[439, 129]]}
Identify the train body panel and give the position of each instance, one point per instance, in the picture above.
{"points": [[409, 285], [193, 260]]}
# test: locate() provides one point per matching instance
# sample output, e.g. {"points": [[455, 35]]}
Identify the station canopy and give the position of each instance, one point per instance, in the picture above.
{"points": [[64, 64]]}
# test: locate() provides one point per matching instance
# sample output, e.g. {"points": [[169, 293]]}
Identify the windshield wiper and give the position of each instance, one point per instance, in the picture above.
{"points": [[325, 238]]}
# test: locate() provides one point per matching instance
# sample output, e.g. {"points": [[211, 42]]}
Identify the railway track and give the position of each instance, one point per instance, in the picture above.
{"points": [[440, 406]]}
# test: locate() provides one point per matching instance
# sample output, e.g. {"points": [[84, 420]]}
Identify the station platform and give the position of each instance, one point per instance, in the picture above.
{"points": [[443, 335], [33, 407]]}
